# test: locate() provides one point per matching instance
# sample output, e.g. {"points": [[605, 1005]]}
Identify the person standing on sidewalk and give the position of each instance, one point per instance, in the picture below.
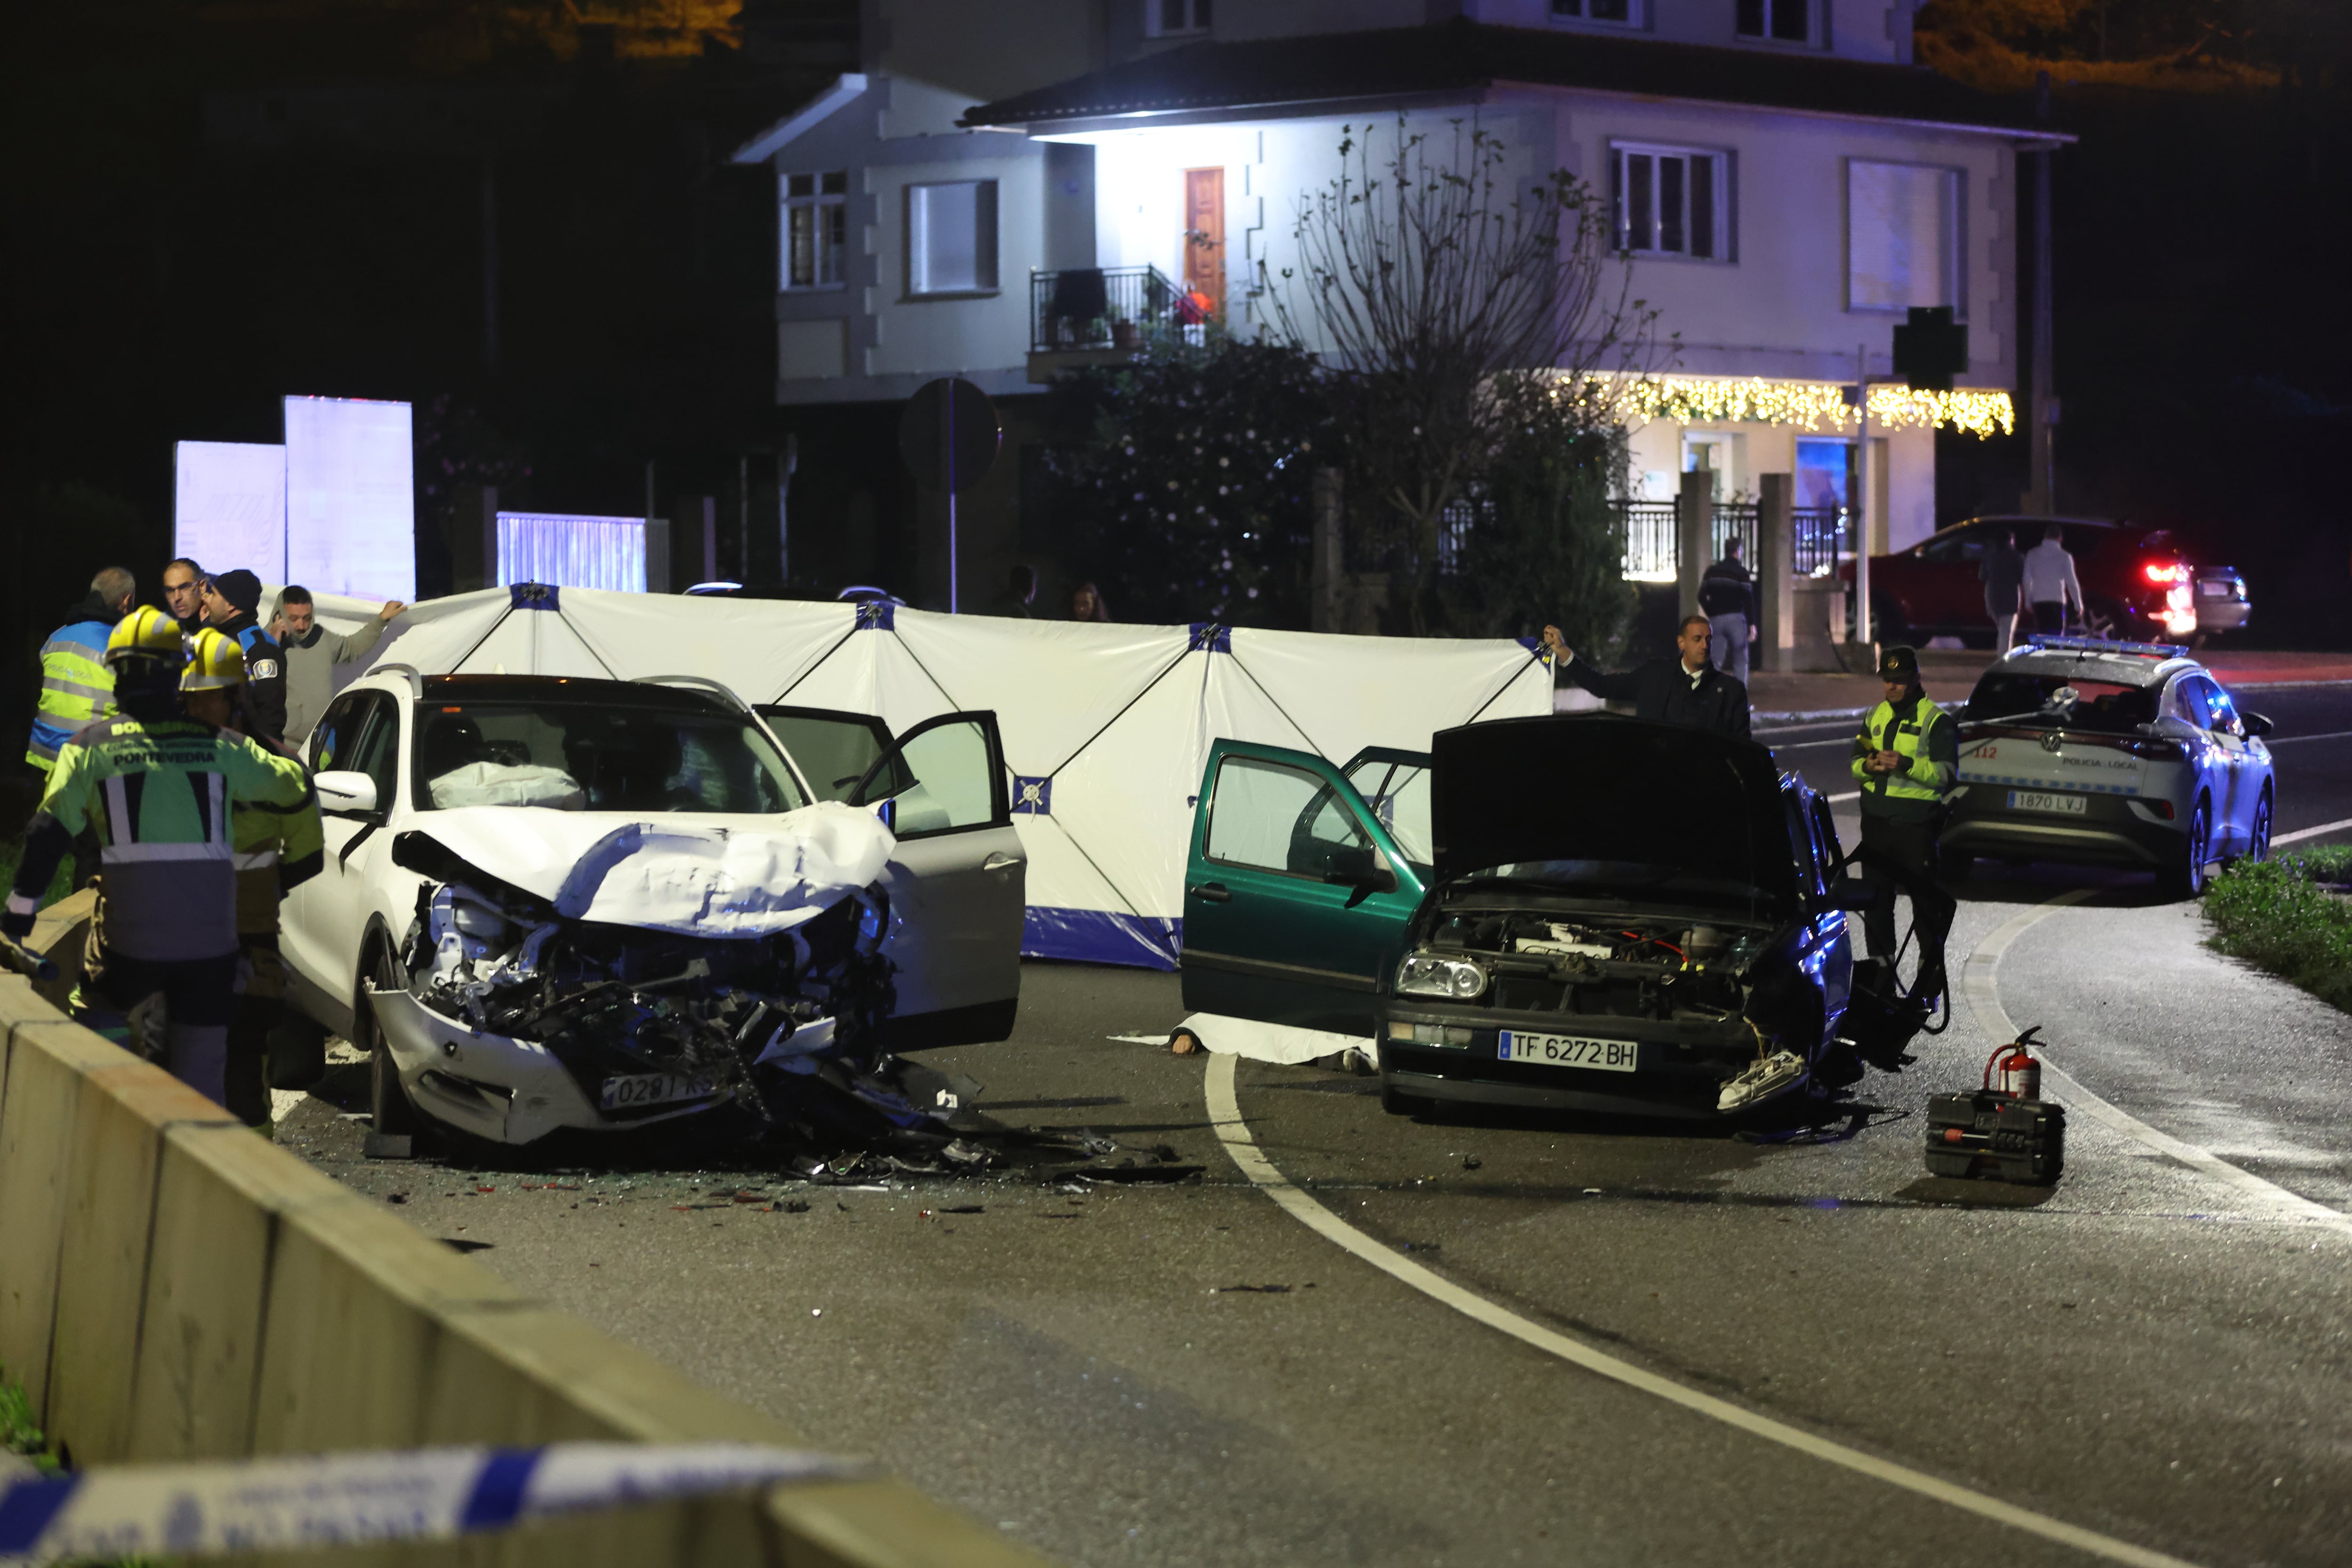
{"points": [[313, 652], [2051, 585], [157, 787], [2004, 579], [1727, 594]]}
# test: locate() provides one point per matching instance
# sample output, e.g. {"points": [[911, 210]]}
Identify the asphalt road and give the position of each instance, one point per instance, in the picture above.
{"points": [[2147, 1353]]}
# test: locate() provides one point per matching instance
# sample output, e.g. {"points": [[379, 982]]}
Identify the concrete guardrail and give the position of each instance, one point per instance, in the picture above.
{"points": [[172, 1287]]}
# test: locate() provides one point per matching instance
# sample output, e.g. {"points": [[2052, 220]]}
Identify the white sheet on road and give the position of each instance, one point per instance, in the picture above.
{"points": [[1106, 727]]}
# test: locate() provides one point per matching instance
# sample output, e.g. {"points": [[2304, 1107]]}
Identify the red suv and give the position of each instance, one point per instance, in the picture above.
{"points": [[2138, 584]]}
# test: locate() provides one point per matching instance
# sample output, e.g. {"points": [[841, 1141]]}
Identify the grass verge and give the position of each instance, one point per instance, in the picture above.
{"points": [[2280, 915]]}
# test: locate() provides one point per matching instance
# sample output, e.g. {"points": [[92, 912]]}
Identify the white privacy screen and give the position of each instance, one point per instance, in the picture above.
{"points": [[573, 552], [350, 510], [228, 505]]}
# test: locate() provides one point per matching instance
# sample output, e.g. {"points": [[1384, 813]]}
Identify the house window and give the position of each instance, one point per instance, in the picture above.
{"points": [[1902, 236], [1627, 13], [951, 237], [1672, 201], [1170, 19], [816, 230], [1786, 21]]}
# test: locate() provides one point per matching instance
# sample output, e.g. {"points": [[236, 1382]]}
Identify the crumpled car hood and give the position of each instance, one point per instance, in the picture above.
{"points": [[730, 877]]}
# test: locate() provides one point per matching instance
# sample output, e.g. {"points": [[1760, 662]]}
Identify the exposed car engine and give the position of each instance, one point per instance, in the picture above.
{"points": [[1630, 967]]}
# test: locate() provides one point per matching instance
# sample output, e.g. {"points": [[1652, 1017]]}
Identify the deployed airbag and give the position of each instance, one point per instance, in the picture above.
{"points": [[676, 876]]}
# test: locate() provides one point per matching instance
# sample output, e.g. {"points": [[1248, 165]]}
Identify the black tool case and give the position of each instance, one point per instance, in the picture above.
{"points": [[1990, 1134]]}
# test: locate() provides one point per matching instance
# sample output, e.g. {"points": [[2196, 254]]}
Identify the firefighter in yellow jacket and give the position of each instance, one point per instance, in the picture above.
{"points": [[264, 835]]}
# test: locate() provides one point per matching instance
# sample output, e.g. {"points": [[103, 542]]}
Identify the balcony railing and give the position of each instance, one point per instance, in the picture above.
{"points": [[1085, 308], [1823, 536]]}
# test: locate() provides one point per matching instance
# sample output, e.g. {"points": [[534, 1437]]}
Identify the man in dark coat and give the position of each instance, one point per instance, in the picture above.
{"points": [[1684, 691], [230, 601]]}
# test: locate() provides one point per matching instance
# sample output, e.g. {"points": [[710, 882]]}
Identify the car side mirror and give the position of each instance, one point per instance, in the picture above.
{"points": [[1852, 894], [345, 793], [1362, 869], [2257, 723]]}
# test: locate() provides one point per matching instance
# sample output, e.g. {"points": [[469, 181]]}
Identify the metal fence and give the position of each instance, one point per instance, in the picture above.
{"points": [[1101, 308], [1651, 548], [1824, 536]]}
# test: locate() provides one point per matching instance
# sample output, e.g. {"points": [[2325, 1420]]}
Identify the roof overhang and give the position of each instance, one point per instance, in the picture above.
{"points": [[784, 131], [1090, 126]]}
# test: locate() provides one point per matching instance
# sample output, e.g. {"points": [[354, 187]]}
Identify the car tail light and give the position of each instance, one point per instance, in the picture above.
{"points": [[2166, 572], [2162, 808]]}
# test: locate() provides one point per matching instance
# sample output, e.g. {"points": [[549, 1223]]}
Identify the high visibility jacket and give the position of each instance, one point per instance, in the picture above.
{"points": [[1927, 740], [76, 685], [271, 848], [158, 794]]}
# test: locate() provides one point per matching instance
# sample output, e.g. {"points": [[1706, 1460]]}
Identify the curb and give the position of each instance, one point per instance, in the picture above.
{"points": [[173, 1287]]}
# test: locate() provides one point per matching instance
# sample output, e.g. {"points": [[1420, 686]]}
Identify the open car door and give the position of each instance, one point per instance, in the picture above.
{"points": [[1297, 894], [956, 881]]}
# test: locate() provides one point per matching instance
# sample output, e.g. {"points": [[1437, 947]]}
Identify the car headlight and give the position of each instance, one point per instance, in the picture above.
{"points": [[1457, 978]]}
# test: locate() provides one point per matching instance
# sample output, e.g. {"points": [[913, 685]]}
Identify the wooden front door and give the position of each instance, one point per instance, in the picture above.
{"points": [[1204, 235]]}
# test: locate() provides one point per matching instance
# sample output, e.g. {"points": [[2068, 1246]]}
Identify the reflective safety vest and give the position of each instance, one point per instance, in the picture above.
{"points": [[76, 687], [159, 796], [1924, 736]]}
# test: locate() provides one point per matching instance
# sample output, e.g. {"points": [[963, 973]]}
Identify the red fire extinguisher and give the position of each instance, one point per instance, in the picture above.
{"points": [[2020, 1074]]}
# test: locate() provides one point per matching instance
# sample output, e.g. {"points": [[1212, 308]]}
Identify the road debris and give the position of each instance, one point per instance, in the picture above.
{"points": [[1249, 1290]]}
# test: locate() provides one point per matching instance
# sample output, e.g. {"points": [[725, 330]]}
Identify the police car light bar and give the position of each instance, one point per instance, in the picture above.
{"points": [[2102, 645]]}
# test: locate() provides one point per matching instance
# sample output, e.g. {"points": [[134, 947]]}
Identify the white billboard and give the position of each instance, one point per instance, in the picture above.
{"points": [[573, 552], [351, 507], [228, 505]]}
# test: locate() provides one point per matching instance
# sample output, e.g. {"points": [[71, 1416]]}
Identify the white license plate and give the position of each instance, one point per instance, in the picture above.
{"points": [[2037, 800], [624, 1091], [2214, 590], [1566, 1051]]}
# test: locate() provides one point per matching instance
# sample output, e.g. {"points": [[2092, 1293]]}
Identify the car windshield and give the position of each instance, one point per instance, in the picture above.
{"points": [[577, 756], [2063, 701]]}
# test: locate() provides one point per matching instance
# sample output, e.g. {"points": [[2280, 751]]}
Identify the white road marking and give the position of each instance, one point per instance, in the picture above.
{"points": [[1980, 985], [1832, 741], [2287, 740], [1837, 799], [2300, 833], [1224, 1111]]}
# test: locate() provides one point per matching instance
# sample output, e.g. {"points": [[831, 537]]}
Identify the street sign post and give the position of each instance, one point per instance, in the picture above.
{"points": [[949, 436]]}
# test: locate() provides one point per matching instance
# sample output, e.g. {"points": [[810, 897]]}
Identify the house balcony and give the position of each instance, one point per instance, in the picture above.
{"points": [[1099, 315]]}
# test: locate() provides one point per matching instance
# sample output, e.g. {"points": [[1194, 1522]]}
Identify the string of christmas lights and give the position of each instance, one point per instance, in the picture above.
{"points": [[1814, 404]]}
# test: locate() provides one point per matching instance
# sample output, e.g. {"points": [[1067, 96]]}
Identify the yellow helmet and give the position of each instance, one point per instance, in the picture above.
{"points": [[145, 632], [215, 662]]}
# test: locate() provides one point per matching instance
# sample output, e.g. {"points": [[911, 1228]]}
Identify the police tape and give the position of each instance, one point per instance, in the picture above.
{"points": [[204, 1509]]}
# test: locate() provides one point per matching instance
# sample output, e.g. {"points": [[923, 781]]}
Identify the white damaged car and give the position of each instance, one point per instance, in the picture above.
{"points": [[552, 903]]}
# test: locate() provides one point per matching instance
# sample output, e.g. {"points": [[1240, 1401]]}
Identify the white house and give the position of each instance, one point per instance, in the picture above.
{"points": [[1004, 183]]}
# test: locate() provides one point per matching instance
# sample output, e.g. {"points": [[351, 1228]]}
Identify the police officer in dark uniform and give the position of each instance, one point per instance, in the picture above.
{"points": [[230, 602], [1907, 758]]}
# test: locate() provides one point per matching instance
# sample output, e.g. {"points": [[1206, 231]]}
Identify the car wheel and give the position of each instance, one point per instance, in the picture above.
{"points": [[1396, 1102], [2185, 878], [388, 1105], [2258, 841]]}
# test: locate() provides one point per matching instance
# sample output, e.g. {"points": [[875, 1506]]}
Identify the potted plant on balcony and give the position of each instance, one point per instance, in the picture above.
{"points": [[1124, 336]]}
